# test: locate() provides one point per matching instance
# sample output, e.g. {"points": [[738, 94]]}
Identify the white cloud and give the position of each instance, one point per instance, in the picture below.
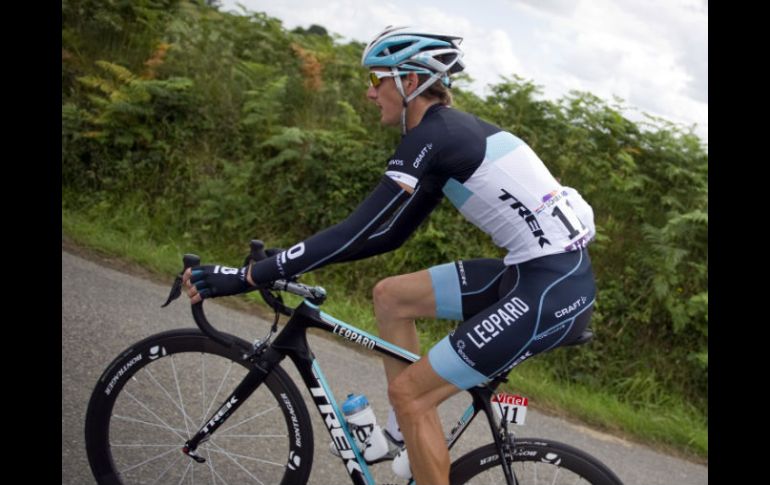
{"points": [[651, 53], [488, 53], [547, 7]]}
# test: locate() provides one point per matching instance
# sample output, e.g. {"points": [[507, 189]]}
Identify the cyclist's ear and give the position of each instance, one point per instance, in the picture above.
{"points": [[412, 78]]}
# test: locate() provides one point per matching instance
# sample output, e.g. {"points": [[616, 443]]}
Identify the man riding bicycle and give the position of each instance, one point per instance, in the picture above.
{"points": [[538, 297]]}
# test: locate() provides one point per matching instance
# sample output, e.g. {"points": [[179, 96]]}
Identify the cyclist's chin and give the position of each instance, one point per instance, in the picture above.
{"points": [[389, 119]]}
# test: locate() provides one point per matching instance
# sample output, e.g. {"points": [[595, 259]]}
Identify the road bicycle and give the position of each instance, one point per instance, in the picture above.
{"points": [[204, 406]]}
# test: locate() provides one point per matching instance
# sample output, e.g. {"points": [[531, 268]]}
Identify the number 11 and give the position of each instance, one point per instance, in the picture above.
{"points": [[514, 410], [557, 212]]}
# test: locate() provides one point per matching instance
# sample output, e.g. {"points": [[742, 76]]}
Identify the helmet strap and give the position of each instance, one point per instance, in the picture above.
{"points": [[407, 99], [404, 100], [424, 86]]}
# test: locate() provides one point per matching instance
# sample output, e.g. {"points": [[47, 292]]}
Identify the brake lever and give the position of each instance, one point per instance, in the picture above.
{"points": [[176, 290], [189, 260]]}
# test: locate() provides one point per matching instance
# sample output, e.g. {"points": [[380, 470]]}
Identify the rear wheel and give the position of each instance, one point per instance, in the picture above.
{"points": [[536, 461], [158, 393]]}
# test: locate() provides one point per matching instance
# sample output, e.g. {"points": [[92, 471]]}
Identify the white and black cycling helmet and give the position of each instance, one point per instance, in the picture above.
{"points": [[405, 50]]}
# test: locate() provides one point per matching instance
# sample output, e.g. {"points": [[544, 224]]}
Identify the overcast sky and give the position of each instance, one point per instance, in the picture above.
{"points": [[653, 54]]}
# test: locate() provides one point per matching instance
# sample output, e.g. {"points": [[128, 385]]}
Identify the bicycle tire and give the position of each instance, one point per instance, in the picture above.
{"points": [[157, 393], [535, 461]]}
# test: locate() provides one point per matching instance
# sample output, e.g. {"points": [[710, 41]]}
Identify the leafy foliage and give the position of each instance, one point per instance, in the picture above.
{"points": [[216, 128]]}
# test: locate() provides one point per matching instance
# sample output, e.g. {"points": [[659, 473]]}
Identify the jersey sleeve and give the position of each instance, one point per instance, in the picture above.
{"points": [[412, 157], [396, 231], [337, 242]]}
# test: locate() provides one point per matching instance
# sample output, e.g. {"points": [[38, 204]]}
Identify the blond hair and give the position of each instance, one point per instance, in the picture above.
{"points": [[437, 90]]}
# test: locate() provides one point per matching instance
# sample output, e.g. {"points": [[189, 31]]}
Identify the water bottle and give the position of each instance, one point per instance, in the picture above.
{"points": [[363, 424]]}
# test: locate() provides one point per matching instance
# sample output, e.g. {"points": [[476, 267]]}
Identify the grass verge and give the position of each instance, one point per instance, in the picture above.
{"points": [[674, 427]]}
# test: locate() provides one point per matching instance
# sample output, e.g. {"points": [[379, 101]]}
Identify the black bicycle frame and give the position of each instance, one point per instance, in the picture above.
{"points": [[292, 342]]}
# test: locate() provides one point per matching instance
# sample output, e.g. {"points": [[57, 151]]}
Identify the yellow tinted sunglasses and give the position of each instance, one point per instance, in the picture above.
{"points": [[375, 77]]}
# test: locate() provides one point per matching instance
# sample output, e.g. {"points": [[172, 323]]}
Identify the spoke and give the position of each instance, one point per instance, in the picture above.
{"points": [[236, 455], [181, 409], [249, 419], [179, 393], [145, 446], [203, 387], [157, 480], [147, 423], [147, 461], [236, 462], [213, 471], [211, 466], [155, 415], [219, 477], [251, 435], [221, 383], [188, 468]]}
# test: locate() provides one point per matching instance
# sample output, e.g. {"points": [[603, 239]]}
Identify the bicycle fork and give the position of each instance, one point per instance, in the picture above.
{"points": [[264, 364]]}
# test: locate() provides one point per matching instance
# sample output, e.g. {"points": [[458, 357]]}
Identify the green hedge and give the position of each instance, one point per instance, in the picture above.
{"points": [[214, 128]]}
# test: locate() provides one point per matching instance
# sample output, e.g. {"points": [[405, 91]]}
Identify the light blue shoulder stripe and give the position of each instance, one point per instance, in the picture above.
{"points": [[456, 192], [500, 144]]}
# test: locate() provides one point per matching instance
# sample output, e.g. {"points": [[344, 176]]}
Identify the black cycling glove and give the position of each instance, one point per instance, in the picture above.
{"points": [[215, 280]]}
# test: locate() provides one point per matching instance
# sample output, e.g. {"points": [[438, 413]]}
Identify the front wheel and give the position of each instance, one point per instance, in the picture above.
{"points": [[158, 393], [535, 461]]}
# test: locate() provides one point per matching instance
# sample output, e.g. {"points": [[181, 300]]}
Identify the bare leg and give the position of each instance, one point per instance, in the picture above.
{"points": [[415, 394], [397, 302]]}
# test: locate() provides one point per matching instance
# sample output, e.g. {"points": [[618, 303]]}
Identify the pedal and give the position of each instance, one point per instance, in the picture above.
{"points": [[394, 446]]}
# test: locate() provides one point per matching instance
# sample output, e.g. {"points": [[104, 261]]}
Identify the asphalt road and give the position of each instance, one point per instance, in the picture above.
{"points": [[103, 311]]}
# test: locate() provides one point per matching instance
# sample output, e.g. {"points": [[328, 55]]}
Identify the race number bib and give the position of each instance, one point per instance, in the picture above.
{"points": [[510, 407]]}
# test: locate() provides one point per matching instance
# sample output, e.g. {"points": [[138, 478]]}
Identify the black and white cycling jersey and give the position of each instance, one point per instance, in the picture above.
{"points": [[538, 297], [494, 179]]}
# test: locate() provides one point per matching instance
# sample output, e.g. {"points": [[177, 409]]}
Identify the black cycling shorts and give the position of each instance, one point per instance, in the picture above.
{"points": [[509, 313]]}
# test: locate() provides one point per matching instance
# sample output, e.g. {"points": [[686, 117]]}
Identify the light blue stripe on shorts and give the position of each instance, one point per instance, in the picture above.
{"points": [[452, 368], [446, 289]]}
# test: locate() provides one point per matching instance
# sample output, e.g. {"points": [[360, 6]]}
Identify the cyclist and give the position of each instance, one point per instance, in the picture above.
{"points": [[538, 297]]}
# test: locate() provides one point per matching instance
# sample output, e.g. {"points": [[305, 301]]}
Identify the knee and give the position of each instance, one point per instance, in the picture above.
{"points": [[407, 399], [385, 297], [401, 397]]}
